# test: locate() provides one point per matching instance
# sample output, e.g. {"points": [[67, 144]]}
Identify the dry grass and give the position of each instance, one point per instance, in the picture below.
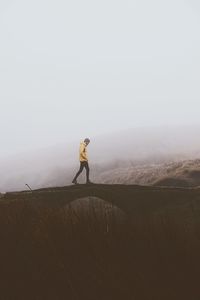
{"points": [[183, 173], [90, 249]]}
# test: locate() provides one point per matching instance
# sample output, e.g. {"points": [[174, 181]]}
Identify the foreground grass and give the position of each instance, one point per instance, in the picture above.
{"points": [[89, 249]]}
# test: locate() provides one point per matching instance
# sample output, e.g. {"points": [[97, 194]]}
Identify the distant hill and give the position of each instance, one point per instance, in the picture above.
{"points": [[183, 173]]}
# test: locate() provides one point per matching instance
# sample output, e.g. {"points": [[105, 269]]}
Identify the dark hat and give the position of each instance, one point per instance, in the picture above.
{"points": [[86, 140]]}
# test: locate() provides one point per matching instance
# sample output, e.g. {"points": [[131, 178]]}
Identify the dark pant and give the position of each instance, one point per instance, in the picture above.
{"points": [[83, 164]]}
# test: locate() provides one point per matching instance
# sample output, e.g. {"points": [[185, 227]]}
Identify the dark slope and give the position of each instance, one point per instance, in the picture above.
{"points": [[100, 242], [129, 198]]}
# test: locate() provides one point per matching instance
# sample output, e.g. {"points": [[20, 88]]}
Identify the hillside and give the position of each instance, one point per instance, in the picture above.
{"points": [[100, 242], [182, 173]]}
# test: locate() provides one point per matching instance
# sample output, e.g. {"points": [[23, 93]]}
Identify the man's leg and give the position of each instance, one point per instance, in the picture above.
{"points": [[79, 172], [87, 171]]}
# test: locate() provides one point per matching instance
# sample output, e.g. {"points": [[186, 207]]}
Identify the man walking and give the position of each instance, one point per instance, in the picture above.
{"points": [[83, 157]]}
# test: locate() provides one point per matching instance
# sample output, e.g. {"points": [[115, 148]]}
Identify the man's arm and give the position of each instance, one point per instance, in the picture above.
{"points": [[83, 153]]}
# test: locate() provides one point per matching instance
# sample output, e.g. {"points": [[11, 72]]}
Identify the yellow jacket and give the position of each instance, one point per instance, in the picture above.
{"points": [[83, 156]]}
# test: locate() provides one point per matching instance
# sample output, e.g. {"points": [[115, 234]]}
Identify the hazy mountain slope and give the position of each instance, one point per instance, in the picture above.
{"points": [[182, 173]]}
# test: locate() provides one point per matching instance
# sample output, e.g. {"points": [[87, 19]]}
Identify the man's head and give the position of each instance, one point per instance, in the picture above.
{"points": [[87, 141]]}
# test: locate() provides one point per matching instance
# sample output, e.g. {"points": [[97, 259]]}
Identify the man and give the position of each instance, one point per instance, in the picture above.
{"points": [[83, 157]]}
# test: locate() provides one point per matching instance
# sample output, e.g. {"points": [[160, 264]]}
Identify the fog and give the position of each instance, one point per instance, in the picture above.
{"points": [[55, 166], [72, 69], [78, 69]]}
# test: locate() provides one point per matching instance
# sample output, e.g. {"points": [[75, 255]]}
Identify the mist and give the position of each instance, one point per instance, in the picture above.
{"points": [[124, 73], [70, 69], [55, 166]]}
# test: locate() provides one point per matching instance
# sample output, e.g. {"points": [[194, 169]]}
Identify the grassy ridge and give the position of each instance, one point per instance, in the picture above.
{"points": [[91, 249]]}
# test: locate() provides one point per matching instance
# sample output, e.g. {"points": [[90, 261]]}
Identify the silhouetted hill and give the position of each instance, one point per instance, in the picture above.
{"points": [[100, 242]]}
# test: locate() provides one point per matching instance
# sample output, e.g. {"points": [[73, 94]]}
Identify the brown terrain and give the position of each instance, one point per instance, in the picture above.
{"points": [[100, 242], [184, 173]]}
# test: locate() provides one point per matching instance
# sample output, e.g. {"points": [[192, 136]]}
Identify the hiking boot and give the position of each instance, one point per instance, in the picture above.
{"points": [[74, 181], [89, 182]]}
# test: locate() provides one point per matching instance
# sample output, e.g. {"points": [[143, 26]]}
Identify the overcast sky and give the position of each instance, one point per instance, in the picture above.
{"points": [[70, 69]]}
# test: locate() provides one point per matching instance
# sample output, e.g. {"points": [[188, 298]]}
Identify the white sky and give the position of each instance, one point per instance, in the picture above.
{"points": [[70, 69]]}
